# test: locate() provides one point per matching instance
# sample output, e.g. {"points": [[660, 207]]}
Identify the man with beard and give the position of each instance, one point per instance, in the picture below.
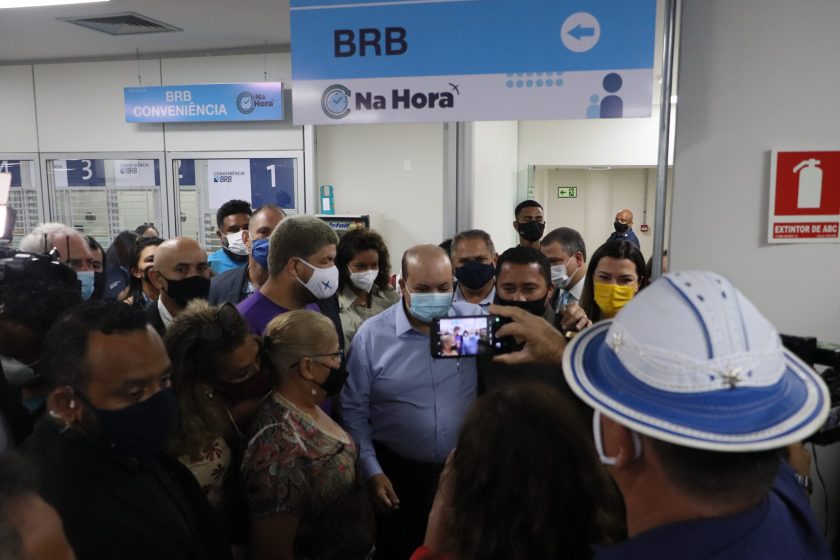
{"points": [[302, 274]]}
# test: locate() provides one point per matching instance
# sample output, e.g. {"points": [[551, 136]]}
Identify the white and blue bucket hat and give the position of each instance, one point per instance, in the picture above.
{"points": [[692, 362]]}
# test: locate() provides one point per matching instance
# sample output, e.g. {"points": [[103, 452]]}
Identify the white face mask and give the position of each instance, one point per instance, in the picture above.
{"points": [[235, 244], [599, 444], [16, 372], [364, 280], [559, 277], [324, 281]]}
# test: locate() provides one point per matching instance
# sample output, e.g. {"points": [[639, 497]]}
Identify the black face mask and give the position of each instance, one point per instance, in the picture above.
{"points": [[140, 430], [474, 275], [334, 382], [621, 228], [98, 285], [182, 291], [534, 307], [531, 231], [256, 386]]}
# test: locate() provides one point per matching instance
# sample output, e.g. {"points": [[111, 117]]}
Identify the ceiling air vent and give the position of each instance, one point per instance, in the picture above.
{"points": [[129, 23]]}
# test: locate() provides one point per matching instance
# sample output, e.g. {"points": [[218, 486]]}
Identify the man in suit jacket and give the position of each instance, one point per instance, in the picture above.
{"points": [[232, 286], [98, 449]]}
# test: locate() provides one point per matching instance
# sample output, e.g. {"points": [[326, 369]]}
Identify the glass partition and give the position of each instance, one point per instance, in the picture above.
{"points": [[205, 181], [102, 196], [24, 195]]}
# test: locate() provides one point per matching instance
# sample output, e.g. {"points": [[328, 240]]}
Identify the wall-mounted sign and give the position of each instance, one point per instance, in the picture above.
{"points": [[566, 192], [249, 101], [259, 181], [804, 197], [12, 166], [468, 60]]}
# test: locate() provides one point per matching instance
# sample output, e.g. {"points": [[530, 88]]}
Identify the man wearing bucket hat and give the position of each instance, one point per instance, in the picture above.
{"points": [[694, 397]]}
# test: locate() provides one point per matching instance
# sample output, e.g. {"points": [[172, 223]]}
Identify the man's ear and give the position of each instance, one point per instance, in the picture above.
{"points": [[63, 406], [516, 226], [246, 238], [619, 443]]}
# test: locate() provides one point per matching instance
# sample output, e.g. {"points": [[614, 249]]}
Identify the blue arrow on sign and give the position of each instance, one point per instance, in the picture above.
{"points": [[579, 32]]}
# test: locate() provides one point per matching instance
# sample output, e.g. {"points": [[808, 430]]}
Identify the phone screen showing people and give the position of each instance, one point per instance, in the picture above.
{"points": [[458, 337]]}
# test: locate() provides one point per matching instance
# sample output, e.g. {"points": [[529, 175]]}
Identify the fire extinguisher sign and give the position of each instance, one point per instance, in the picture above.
{"points": [[804, 197]]}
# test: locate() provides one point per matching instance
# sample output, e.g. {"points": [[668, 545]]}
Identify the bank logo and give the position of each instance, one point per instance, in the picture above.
{"points": [[245, 103], [336, 101]]}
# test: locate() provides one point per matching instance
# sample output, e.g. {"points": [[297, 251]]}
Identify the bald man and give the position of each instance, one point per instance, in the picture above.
{"points": [[181, 273], [624, 227], [403, 407]]}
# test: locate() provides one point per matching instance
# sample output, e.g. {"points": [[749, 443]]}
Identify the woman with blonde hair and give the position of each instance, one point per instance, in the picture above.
{"points": [[304, 492]]}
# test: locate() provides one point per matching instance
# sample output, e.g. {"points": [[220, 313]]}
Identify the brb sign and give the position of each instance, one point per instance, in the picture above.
{"points": [[804, 197]]}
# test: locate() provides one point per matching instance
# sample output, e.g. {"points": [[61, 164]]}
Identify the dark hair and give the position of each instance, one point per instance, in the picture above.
{"points": [[473, 234], [197, 342], [649, 264], [526, 482], [135, 285], [714, 477], [354, 242], [66, 344], [141, 229], [37, 302], [119, 253], [569, 239], [230, 208], [525, 256], [17, 480], [526, 204], [95, 246], [616, 249], [446, 245]]}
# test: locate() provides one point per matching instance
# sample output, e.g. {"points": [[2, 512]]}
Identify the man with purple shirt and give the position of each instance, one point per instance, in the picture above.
{"points": [[302, 274]]}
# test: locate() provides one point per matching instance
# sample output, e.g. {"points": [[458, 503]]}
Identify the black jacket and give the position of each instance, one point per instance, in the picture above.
{"points": [[228, 287], [114, 507], [153, 317]]}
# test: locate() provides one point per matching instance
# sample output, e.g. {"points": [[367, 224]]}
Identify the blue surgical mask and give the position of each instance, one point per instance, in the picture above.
{"points": [[428, 307], [87, 279], [259, 250]]}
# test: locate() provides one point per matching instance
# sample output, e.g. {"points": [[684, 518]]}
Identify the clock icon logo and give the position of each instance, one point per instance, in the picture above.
{"points": [[336, 101], [245, 103]]}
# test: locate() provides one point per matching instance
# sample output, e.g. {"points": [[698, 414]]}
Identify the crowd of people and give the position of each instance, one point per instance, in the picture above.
{"points": [[278, 399]]}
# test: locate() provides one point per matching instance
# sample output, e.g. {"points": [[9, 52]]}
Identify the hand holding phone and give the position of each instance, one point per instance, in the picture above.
{"points": [[461, 337]]}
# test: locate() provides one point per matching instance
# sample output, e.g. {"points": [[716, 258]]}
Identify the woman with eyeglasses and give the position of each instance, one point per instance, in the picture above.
{"points": [[305, 496], [219, 384]]}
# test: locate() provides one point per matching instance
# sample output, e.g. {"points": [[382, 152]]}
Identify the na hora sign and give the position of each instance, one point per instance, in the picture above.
{"points": [[804, 196]]}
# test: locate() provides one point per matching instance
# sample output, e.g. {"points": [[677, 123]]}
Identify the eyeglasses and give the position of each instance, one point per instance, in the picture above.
{"points": [[227, 318], [340, 355]]}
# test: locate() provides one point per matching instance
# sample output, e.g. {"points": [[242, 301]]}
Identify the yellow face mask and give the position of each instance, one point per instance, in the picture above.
{"points": [[610, 298]]}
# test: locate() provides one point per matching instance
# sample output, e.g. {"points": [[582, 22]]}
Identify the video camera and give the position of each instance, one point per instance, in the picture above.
{"points": [[16, 264], [826, 355]]}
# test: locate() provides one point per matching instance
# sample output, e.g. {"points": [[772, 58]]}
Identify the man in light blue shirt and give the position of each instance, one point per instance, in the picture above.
{"points": [[403, 407]]}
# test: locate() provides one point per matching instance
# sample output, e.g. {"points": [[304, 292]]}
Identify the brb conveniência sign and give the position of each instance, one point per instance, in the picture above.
{"points": [[804, 197], [250, 101], [467, 60]]}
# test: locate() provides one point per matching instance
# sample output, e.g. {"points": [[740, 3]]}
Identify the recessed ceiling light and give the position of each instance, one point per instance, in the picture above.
{"points": [[36, 3]]}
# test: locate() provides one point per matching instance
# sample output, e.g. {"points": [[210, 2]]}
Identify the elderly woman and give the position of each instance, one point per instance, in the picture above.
{"points": [[305, 495], [219, 384], [363, 279]]}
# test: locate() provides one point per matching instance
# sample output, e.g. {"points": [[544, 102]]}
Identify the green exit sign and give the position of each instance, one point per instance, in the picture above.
{"points": [[566, 192]]}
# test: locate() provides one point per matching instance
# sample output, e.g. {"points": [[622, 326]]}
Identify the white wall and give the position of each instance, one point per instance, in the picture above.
{"points": [[494, 180], [757, 74], [80, 107], [17, 110], [367, 166]]}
